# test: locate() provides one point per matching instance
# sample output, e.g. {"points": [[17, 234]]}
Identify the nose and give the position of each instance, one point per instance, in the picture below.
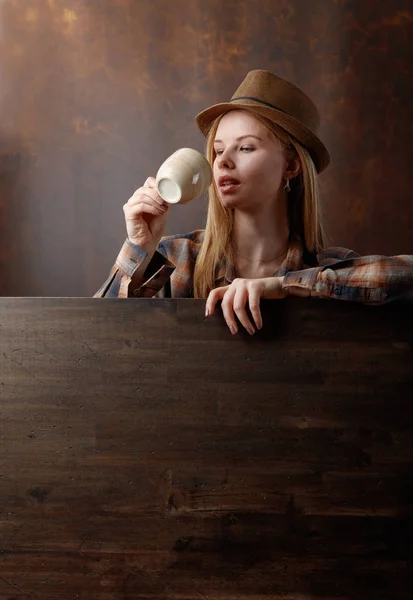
{"points": [[225, 161]]}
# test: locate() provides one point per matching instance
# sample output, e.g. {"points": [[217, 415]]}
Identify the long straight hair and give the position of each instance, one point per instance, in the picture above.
{"points": [[304, 212]]}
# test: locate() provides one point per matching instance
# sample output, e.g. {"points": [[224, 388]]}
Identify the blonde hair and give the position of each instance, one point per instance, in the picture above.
{"points": [[304, 212]]}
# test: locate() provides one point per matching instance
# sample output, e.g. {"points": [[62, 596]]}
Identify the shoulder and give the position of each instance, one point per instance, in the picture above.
{"points": [[329, 256]]}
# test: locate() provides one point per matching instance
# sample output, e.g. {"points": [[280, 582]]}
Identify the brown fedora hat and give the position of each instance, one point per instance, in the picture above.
{"points": [[280, 101]]}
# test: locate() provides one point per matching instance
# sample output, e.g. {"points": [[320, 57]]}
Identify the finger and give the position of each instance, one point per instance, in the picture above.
{"points": [[143, 209], [139, 204], [240, 300], [213, 297], [150, 182], [148, 193], [228, 312], [254, 299], [138, 210]]}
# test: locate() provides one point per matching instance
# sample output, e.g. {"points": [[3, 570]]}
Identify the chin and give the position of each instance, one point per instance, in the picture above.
{"points": [[230, 201], [226, 203]]}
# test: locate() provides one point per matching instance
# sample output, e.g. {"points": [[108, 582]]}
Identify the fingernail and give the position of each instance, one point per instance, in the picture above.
{"points": [[232, 330], [250, 331], [259, 326], [206, 312]]}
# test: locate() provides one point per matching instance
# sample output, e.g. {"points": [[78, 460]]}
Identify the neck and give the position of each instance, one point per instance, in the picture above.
{"points": [[264, 235]]}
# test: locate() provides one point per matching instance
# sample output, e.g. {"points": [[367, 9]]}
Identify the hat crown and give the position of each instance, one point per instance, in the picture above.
{"points": [[264, 94], [266, 88]]}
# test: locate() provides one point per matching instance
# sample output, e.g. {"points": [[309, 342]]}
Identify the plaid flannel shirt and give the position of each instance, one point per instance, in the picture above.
{"points": [[335, 273]]}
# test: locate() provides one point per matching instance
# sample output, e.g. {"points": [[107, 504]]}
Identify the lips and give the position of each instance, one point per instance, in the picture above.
{"points": [[226, 182], [228, 185]]}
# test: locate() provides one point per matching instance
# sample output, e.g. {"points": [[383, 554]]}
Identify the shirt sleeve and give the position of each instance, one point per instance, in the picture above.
{"points": [[368, 279], [124, 280]]}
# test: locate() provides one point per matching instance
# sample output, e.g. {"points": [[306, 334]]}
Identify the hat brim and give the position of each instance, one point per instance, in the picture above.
{"points": [[315, 147]]}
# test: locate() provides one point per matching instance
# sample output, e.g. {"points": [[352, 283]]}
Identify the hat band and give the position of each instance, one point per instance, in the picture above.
{"points": [[256, 100]]}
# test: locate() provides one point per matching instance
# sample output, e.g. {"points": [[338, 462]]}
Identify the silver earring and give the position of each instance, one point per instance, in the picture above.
{"points": [[287, 186]]}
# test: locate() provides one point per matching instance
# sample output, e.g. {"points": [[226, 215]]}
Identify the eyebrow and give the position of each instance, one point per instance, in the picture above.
{"points": [[242, 137]]}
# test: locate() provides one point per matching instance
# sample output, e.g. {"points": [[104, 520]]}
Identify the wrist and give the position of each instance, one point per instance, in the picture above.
{"points": [[273, 288], [283, 290], [143, 243]]}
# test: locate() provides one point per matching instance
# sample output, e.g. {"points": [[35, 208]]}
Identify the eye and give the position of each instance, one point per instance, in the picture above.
{"points": [[247, 149], [218, 152]]}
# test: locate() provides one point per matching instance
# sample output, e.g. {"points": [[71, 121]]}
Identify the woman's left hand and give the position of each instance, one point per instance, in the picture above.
{"points": [[236, 296]]}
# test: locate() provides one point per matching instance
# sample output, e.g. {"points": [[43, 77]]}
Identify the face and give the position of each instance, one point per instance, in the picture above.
{"points": [[250, 164]]}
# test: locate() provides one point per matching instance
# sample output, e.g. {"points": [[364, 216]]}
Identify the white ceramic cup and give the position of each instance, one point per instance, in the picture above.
{"points": [[184, 176]]}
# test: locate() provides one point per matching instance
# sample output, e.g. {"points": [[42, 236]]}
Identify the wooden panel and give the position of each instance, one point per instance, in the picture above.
{"points": [[95, 95], [146, 453]]}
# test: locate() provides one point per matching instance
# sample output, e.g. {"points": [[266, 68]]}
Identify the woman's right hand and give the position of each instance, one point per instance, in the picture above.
{"points": [[145, 215]]}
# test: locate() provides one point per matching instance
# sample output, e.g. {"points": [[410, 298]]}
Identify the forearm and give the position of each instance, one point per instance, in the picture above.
{"points": [[131, 272], [368, 279]]}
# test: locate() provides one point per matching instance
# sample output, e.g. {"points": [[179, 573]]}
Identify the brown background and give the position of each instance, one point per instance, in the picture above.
{"points": [[95, 94]]}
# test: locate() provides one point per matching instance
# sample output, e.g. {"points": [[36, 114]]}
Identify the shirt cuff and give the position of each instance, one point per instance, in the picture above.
{"points": [[300, 283], [157, 273], [325, 282], [130, 258]]}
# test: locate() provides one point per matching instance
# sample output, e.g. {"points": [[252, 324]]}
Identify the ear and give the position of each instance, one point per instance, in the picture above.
{"points": [[293, 168]]}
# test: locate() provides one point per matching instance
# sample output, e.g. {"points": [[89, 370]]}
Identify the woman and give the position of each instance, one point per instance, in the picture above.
{"points": [[264, 236]]}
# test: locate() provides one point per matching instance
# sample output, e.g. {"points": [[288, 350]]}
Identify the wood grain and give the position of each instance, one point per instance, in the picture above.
{"points": [[146, 453]]}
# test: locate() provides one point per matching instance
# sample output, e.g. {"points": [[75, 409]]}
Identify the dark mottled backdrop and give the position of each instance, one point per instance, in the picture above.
{"points": [[94, 95]]}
